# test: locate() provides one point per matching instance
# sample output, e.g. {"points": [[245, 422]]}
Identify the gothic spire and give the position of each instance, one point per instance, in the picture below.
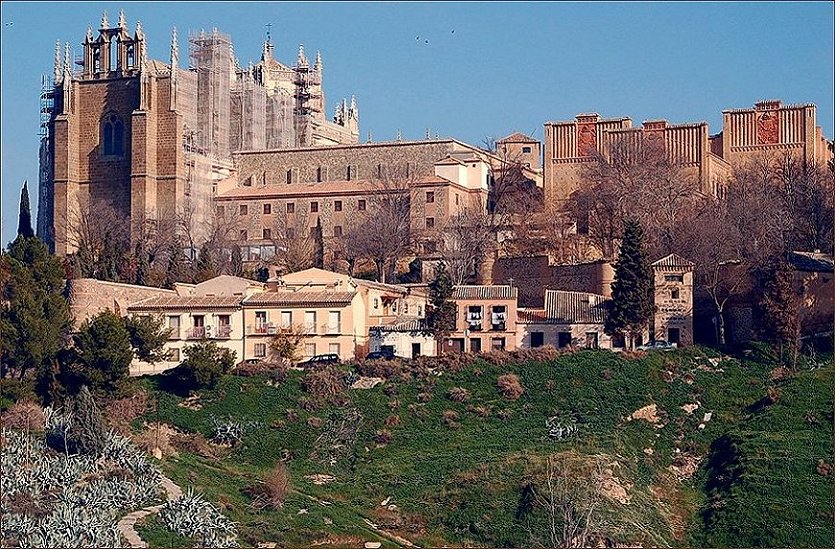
{"points": [[67, 62], [89, 36], [302, 60], [139, 33], [58, 69], [105, 24], [353, 110], [318, 65], [175, 53], [122, 23]]}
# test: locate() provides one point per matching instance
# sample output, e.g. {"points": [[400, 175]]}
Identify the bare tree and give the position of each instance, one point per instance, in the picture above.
{"points": [[632, 180], [295, 247], [465, 240], [101, 239], [570, 497]]}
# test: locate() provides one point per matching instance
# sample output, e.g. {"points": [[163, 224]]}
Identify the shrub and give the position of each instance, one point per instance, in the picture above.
{"points": [[314, 422], [24, 415], [277, 483], [324, 382], [393, 404], [424, 396], [450, 418], [390, 390], [310, 404], [385, 369], [509, 386], [504, 414], [458, 394], [204, 365], [121, 412], [275, 371], [383, 436], [392, 420], [227, 431], [480, 411]]}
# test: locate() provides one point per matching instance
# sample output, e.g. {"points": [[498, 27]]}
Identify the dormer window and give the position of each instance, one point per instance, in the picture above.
{"points": [[113, 136]]}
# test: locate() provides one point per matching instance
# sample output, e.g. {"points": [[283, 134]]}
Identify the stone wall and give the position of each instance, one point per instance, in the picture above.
{"points": [[89, 297], [533, 275]]}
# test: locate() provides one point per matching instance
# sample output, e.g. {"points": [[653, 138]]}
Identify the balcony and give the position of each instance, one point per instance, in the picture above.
{"points": [[196, 332], [223, 332], [261, 329]]}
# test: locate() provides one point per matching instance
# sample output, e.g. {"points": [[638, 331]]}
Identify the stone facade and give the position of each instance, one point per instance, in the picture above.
{"points": [[486, 319], [673, 283], [533, 275], [152, 140]]}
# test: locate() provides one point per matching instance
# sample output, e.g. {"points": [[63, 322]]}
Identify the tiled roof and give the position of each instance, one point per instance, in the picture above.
{"points": [[812, 262], [300, 298], [485, 292], [187, 302], [517, 137], [403, 324], [380, 285], [673, 261], [563, 307]]}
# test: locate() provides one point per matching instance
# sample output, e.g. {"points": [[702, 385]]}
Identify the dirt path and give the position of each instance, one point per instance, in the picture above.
{"points": [[127, 523]]}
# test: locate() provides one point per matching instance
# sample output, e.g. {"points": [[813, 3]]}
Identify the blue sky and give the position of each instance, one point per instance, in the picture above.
{"points": [[506, 67]]}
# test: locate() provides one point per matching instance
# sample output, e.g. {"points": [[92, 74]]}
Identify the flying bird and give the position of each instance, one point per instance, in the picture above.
{"points": [[453, 31], [10, 23], [427, 41]]}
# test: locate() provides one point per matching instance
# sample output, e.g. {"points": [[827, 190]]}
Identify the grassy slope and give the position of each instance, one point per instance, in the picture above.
{"points": [[462, 485]]}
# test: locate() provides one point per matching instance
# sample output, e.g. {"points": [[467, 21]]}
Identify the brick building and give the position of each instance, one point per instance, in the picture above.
{"points": [[770, 129]]}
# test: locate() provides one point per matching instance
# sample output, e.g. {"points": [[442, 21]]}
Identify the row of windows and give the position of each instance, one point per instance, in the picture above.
{"points": [[564, 339], [350, 173], [309, 349], [290, 232], [263, 326], [362, 205]]}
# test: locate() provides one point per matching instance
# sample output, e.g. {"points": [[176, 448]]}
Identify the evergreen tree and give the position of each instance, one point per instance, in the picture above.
{"points": [[34, 314], [24, 220], [205, 363], [779, 309], [177, 270], [143, 266], [319, 245], [441, 311], [103, 354], [204, 269], [148, 335], [237, 262], [632, 305], [88, 430]]}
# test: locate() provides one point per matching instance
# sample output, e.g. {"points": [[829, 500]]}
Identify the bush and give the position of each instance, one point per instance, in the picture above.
{"points": [[509, 386], [324, 382], [24, 415], [458, 394], [383, 436], [102, 353], [450, 418], [204, 365], [277, 483], [121, 412], [392, 420], [275, 371]]}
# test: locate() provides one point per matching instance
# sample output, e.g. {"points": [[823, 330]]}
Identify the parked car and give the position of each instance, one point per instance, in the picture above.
{"points": [[320, 360], [381, 355], [658, 345]]}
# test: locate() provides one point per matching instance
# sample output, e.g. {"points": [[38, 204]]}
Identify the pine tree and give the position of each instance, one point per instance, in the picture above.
{"points": [[632, 305], [24, 220], [441, 312], [319, 245], [204, 270], [34, 314], [143, 268]]}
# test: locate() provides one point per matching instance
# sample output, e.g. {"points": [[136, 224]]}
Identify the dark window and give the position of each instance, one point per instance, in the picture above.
{"points": [[113, 136], [244, 209], [337, 206], [268, 208], [430, 197], [563, 339], [291, 208], [242, 235], [268, 233], [526, 149], [674, 335], [537, 339], [475, 345], [430, 222], [337, 230], [674, 278], [591, 340], [498, 343], [361, 205], [674, 293], [314, 207]]}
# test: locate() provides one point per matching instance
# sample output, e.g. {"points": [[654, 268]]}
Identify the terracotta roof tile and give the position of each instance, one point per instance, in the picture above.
{"points": [[186, 302], [301, 298], [673, 261], [485, 292], [563, 307]]}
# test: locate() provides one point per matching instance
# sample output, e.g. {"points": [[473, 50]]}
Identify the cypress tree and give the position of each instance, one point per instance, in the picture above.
{"points": [[24, 220], [441, 310], [237, 261], [319, 245], [632, 305]]}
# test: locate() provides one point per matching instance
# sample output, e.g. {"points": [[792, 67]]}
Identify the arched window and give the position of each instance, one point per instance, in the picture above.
{"points": [[113, 136]]}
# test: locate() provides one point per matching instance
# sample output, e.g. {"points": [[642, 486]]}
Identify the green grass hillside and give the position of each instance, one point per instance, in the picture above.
{"points": [[457, 462]]}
